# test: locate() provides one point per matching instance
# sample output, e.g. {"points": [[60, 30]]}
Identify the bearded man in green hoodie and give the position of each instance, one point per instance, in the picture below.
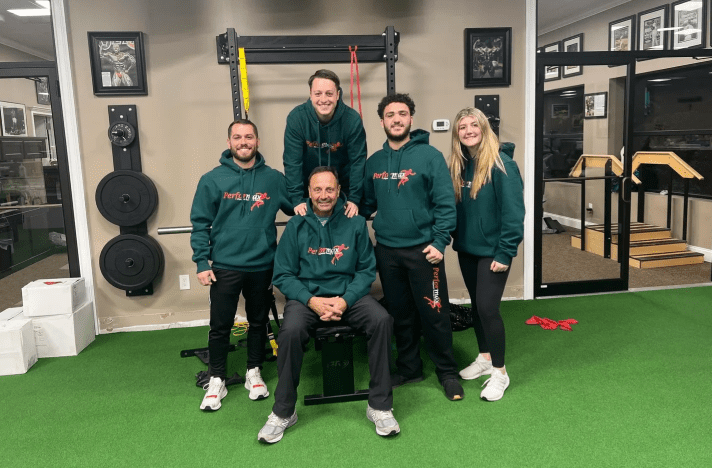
{"points": [[324, 132], [233, 216], [325, 266], [408, 184]]}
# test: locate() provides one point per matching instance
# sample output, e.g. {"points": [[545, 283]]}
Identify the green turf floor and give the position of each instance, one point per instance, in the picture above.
{"points": [[629, 386]]}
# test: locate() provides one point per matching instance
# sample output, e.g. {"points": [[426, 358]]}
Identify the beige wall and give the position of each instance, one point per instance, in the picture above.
{"points": [[9, 54], [605, 136], [183, 119]]}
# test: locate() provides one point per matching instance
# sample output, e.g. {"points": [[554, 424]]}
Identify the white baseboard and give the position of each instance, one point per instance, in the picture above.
{"points": [[566, 221], [706, 252]]}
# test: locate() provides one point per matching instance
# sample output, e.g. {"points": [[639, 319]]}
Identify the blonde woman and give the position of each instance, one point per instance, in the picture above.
{"points": [[490, 226]]}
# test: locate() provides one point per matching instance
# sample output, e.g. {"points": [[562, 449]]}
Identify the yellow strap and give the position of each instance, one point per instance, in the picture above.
{"points": [[243, 75]]}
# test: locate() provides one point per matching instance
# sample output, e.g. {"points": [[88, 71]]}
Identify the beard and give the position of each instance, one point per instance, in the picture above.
{"points": [[398, 138], [248, 158]]}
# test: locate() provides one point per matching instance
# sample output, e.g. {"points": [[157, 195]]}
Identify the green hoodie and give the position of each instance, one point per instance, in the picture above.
{"points": [[241, 206], [492, 225], [308, 143], [335, 259], [412, 191]]}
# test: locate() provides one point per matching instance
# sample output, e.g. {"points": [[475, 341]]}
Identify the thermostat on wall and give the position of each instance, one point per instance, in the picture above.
{"points": [[441, 125]]}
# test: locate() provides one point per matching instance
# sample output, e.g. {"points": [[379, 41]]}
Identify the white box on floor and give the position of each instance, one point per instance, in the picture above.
{"points": [[64, 335], [59, 296], [17, 343]]}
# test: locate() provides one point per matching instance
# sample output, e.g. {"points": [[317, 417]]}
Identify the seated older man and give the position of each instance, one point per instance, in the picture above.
{"points": [[325, 265]]}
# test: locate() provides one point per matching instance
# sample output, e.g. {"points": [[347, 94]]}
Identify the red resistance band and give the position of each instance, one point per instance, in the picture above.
{"points": [[354, 60], [548, 324]]}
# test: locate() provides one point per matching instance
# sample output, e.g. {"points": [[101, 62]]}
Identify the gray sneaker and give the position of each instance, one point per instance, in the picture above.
{"points": [[386, 424], [273, 430]]}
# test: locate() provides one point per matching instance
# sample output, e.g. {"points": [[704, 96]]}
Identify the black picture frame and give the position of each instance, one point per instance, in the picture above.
{"points": [[649, 21], [590, 108], [42, 90], [621, 34], [551, 73], [488, 57], [682, 16], [118, 63], [572, 44]]}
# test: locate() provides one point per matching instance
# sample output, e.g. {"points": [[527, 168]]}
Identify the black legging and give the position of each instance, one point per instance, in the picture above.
{"points": [[486, 289]]}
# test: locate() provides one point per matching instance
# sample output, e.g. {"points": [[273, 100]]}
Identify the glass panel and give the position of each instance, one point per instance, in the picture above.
{"points": [[32, 234], [582, 117], [25, 38]]}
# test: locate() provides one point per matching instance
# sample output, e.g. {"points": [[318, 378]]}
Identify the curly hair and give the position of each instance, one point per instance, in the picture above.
{"points": [[403, 98]]}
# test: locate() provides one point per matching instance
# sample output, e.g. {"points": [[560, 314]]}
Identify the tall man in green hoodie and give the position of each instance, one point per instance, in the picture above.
{"points": [[408, 184], [324, 132], [325, 266], [233, 215]]}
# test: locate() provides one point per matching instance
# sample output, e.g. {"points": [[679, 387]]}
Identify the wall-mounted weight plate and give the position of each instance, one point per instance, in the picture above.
{"points": [[131, 262], [126, 198], [121, 134]]}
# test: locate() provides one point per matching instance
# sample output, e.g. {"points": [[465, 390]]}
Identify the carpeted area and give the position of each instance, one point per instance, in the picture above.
{"points": [[562, 262], [629, 386]]}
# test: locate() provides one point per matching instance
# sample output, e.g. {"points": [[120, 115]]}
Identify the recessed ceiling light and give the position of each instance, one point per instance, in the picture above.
{"points": [[658, 80], [43, 3], [30, 12]]}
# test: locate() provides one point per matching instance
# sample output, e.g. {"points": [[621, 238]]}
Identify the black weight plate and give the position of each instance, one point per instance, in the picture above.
{"points": [[126, 198], [131, 262]]}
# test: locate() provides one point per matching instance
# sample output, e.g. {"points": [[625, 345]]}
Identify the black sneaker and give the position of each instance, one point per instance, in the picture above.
{"points": [[397, 380], [453, 389]]}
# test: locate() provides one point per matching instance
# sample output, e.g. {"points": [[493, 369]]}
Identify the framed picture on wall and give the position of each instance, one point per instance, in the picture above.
{"points": [[42, 90], [689, 24], [653, 28], [551, 73], [118, 63], [488, 57], [573, 44], [595, 105], [14, 119], [621, 34]]}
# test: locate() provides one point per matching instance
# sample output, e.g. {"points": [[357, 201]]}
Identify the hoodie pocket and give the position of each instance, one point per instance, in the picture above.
{"points": [[487, 233], [242, 247], [396, 225]]}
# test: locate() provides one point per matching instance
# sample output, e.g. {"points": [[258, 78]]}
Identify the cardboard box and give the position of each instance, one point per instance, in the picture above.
{"points": [[60, 296], [64, 335], [17, 343]]}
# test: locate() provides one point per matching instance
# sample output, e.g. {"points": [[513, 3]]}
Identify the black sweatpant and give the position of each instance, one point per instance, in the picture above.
{"points": [[365, 315], [417, 298], [486, 289], [224, 294]]}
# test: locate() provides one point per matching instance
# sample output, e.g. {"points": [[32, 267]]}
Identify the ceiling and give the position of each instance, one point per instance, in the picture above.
{"points": [[33, 35]]}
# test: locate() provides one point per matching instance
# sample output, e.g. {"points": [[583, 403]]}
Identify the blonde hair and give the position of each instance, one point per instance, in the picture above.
{"points": [[487, 154]]}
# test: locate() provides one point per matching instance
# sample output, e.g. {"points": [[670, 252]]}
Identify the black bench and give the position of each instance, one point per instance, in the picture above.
{"points": [[336, 344]]}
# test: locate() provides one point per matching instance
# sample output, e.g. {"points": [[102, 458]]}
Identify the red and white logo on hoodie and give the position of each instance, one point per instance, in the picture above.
{"points": [[336, 252], [258, 198], [402, 177]]}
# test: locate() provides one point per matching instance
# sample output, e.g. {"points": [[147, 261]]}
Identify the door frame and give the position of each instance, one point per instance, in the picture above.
{"points": [[629, 60], [10, 70]]}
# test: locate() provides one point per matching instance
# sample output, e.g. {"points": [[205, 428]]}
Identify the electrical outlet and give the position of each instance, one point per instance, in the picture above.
{"points": [[184, 281], [590, 206]]}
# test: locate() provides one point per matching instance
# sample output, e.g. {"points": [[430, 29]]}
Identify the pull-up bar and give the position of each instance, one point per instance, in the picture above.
{"points": [[306, 49]]}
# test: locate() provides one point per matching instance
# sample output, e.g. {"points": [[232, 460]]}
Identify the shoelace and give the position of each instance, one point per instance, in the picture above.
{"points": [[277, 421], [382, 415], [497, 380]]}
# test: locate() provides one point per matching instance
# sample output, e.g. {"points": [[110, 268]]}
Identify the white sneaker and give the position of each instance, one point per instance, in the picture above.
{"points": [[495, 386], [480, 367], [274, 429], [385, 423], [255, 384], [216, 391]]}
